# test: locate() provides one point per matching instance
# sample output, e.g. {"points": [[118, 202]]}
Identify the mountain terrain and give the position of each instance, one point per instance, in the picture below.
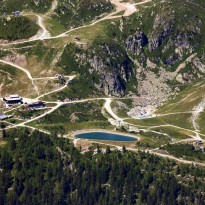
{"points": [[133, 67]]}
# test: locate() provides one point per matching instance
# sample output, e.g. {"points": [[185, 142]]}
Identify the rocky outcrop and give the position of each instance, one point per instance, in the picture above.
{"points": [[136, 42], [114, 67], [198, 64], [161, 29], [171, 60], [184, 42], [112, 84], [111, 64]]}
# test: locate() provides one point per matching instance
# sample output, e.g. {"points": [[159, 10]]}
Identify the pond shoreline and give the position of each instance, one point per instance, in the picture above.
{"points": [[74, 133]]}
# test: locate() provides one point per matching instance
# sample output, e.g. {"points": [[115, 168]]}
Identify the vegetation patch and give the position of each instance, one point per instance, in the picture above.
{"points": [[14, 81], [150, 139], [74, 117], [27, 114], [201, 123], [179, 120], [186, 100], [146, 122], [186, 151], [17, 28], [79, 12], [9, 6], [174, 133]]}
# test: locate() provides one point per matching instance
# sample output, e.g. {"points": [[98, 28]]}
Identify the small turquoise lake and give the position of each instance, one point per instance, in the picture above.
{"points": [[105, 136]]}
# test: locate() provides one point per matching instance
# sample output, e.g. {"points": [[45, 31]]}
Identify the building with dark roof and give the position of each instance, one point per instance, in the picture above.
{"points": [[13, 100], [4, 117], [36, 105]]}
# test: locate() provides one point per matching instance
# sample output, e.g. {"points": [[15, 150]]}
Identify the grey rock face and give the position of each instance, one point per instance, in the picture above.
{"points": [[171, 60], [113, 85], [136, 42], [111, 63], [161, 29], [198, 64], [112, 81], [175, 42]]}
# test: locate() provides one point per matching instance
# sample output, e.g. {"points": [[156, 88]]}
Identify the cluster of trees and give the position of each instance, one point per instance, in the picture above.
{"points": [[186, 150], [8, 6], [36, 168], [17, 28]]}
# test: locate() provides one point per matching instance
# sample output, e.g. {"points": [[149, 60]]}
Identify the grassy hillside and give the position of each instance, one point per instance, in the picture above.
{"points": [[78, 12], [14, 81], [190, 97], [120, 52], [151, 36], [74, 117]]}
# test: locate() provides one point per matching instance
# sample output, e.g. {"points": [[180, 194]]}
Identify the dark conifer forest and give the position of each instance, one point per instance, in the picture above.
{"points": [[36, 168]]}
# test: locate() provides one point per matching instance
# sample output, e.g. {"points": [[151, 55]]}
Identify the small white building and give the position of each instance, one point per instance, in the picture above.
{"points": [[12, 100]]}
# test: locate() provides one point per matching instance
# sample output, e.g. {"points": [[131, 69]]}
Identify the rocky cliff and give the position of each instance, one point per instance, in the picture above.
{"points": [[109, 62]]}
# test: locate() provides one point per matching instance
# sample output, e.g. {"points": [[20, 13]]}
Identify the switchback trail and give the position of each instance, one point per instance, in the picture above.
{"points": [[127, 7], [57, 90], [108, 108], [35, 79], [24, 70]]}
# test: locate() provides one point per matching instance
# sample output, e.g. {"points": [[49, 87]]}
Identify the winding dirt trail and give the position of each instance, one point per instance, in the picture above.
{"points": [[53, 8], [58, 105], [127, 7], [18, 67], [57, 90], [25, 71], [120, 6], [195, 115], [108, 108], [36, 79], [45, 33], [194, 137]]}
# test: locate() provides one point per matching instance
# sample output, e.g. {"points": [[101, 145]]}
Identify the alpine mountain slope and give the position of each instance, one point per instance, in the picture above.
{"points": [[133, 68]]}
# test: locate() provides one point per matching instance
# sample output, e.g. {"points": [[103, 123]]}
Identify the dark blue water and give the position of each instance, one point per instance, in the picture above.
{"points": [[105, 136]]}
